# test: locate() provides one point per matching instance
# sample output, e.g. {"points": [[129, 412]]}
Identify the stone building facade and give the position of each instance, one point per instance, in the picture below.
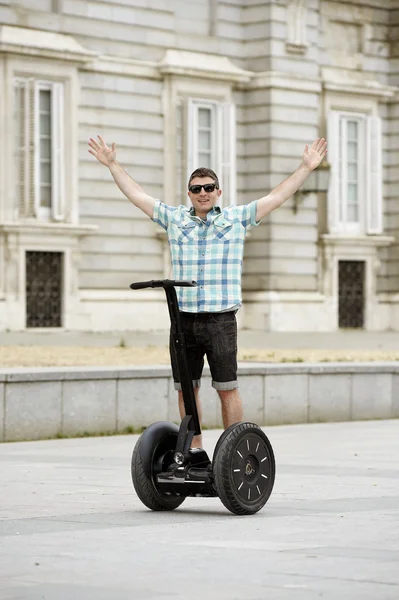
{"points": [[238, 85]]}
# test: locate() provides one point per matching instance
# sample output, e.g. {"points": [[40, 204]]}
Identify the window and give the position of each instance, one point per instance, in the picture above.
{"points": [[44, 155], [355, 195], [39, 148], [205, 136], [211, 142], [351, 170]]}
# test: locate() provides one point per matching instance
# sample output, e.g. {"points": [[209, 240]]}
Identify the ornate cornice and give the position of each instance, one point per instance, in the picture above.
{"points": [[46, 44]]}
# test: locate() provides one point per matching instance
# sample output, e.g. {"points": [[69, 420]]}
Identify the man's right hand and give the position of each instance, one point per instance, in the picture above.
{"points": [[132, 190], [100, 150]]}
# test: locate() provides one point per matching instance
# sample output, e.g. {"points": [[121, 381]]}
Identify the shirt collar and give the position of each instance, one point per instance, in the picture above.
{"points": [[214, 210]]}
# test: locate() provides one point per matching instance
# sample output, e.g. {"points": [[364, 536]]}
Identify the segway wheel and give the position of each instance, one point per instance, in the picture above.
{"points": [[222, 438], [244, 469], [151, 455]]}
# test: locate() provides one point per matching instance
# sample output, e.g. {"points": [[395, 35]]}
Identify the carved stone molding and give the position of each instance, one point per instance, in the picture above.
{"points": [[296, 27]]}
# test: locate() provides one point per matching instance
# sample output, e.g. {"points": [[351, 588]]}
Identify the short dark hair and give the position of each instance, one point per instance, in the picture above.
{"points": [[204, 172]]}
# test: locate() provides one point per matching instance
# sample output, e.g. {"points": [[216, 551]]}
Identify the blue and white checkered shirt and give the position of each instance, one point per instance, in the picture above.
{"points": [[209, 252]]}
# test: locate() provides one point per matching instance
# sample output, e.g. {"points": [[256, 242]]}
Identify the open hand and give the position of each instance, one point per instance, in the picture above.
{"points": [[313, 156], [100, 150]]}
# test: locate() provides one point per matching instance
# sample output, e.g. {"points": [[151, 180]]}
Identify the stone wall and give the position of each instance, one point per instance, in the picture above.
{"points": [[44, 403]]}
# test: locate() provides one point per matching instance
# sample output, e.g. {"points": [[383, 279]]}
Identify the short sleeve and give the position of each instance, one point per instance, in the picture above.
{"points": [[246, 214], [163, 214]]}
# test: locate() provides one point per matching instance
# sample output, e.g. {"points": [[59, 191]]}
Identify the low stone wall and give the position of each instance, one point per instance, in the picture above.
{"points": [[43, 403]]}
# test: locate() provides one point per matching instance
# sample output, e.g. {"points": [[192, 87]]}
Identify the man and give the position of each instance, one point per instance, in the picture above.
{"points": [[206, 245]]}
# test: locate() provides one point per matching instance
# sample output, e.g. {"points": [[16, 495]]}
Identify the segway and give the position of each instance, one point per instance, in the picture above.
{"points": [[165, 469]]}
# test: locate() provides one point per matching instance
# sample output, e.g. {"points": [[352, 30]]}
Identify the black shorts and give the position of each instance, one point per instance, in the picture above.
{"points": [[213, 335]]}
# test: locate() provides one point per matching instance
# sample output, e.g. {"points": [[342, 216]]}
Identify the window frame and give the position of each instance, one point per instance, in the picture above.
{"points": [[56, 209], [28, 86], [371, 180], [223, 141], [352, 227], [55, 71], [42, 212], [214, 129]]}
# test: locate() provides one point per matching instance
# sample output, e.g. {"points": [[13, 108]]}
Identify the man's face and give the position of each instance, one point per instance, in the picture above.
{"points": [[203, 201]]}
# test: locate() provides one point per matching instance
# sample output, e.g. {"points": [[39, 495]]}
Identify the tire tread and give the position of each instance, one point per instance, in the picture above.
{"points": [[145, 488], [222, 470]]}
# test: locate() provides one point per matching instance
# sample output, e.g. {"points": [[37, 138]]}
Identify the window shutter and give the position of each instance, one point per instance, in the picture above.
{"points": [[191, 123], [34, 165], [190, 141], [334, 195], [180, 173], [21, 103], [374, 204], [57, 171], [227, 167], [25, 145]]}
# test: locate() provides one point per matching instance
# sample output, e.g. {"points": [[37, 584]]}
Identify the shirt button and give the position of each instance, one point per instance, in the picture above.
{"points": [[203, 254]]}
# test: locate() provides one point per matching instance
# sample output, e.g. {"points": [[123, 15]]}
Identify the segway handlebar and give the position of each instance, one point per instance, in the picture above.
{"points": [[191, 426], [163, 283]]}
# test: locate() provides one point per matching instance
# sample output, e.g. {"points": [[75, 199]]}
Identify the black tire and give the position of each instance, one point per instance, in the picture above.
{"points": [[222, 438], [161, 451], [244, 469]]}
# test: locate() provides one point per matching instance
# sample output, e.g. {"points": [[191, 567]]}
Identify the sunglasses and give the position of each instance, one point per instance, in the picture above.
{"points": [[208, 187]]}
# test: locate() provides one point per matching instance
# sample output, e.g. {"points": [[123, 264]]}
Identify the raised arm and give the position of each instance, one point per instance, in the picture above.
{"points": [[127, 185], [311, 159]]}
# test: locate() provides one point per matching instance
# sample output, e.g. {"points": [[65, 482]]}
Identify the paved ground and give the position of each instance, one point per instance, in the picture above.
{"points": [[72, 528], [41, 349], [344, 339]]}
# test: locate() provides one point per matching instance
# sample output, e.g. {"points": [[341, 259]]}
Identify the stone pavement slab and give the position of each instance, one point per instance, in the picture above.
{"points": [[351, 339], [71, 526]]}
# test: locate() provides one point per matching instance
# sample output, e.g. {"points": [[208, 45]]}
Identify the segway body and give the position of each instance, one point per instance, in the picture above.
{"points": [[165, 470]]}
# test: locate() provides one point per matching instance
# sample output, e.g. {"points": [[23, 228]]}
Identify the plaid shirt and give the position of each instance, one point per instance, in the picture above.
{"points": [[209, 252]]}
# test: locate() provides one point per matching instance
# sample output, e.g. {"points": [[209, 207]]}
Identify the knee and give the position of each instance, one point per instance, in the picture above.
{"points": [[228, 395]]}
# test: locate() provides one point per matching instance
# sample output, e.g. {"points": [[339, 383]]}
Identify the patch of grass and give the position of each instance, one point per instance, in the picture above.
{"points": [[294, 359], [129, 430], [248, 357]]}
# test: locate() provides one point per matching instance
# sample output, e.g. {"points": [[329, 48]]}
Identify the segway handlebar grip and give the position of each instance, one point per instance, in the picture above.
{"points": [[163, 283]]}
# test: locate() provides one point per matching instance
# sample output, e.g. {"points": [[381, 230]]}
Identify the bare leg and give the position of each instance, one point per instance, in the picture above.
{"points": [[197, 439], [231, 407]]}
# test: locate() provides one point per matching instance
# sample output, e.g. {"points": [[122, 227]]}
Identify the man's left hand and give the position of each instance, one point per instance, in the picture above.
{"points": [[313, 156]]}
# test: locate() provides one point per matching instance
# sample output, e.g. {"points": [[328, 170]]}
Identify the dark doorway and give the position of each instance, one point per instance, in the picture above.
{"points": [[351, 277], [44, 289]]}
